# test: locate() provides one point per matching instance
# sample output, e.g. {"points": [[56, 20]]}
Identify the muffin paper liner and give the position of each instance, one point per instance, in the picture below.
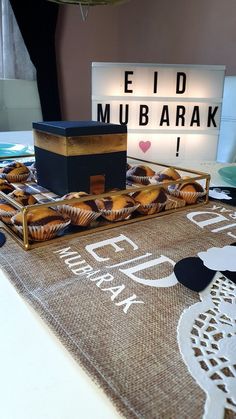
{"points": [[16, 178], [189, 197], [163, 184], [172, 204], [151, 208], [6, 216], [144, 180], [78, 216], [41, 233], [118, 215]]}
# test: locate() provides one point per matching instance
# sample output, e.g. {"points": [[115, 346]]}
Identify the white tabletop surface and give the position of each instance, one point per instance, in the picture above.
{"points": [[16, 137], [39, 378]]}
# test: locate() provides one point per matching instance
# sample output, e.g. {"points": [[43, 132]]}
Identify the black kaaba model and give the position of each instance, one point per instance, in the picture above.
{"points": [[74, 156]]}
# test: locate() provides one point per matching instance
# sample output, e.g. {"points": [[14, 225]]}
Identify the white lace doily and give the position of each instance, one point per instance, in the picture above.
{"points": [[207, 342]]}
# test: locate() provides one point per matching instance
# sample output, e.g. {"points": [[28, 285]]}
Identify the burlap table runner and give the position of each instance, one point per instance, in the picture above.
{"points": [[114, 302]]}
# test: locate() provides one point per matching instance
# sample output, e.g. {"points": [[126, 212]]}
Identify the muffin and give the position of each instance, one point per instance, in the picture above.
{"points": [[15, 172], [167, 175], [22, 197], [5, 186], [80, 213], [190, 191], [140, 174], [117, 207], [174, 202], [43, 223], [7, 211], [151, 200]]}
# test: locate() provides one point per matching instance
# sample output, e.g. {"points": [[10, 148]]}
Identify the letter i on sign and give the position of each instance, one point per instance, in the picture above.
{"points": [[177, 146]]}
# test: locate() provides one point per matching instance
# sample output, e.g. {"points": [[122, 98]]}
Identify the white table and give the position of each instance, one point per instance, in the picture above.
{"points": [[17, 137], [39, 378]]}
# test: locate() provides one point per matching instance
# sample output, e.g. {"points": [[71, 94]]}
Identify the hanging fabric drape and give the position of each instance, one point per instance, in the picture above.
{"points": [[15, 62], [37, 22]]}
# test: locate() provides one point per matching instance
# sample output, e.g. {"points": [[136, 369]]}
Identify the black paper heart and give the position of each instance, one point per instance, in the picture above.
{"points": [[2, 239], [232, 195], [230, 275], [193, 274]]}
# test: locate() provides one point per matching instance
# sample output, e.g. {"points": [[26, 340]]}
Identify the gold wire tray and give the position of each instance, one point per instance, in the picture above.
{"points": [[102, 224]]}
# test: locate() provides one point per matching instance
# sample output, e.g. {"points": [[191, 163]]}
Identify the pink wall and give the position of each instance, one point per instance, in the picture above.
{"points": [[167, 31]]}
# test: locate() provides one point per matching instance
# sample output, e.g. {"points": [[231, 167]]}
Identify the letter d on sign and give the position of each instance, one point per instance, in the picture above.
{"points": [[180, 82]]}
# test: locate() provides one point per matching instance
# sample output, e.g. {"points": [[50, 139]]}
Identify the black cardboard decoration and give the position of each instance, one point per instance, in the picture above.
{"points": [[77, 156]]}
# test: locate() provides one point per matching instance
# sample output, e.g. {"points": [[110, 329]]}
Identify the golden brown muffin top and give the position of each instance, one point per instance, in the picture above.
{"points": [[150, 196], [15, 168], [6, 206], [191, 187], [167, 175], [116, 202], [40, 216], [140, 170], [24, 198], [89, 205], [5, 186]]}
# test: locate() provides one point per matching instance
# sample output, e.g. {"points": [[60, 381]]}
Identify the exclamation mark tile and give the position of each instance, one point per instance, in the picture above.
{"points": [[177, 146]]}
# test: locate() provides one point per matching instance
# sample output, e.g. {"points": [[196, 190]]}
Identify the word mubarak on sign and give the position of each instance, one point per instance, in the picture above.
{"points": [[172, 112]]}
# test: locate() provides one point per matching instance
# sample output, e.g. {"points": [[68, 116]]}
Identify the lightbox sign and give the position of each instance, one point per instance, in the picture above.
{"points": [[172, 111]]}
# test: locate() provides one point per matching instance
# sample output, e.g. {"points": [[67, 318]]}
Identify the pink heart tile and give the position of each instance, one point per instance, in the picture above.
{"points": [[144, 145]]}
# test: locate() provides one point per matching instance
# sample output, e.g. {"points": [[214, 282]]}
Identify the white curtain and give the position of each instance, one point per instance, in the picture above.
{"points": [[14, 58]]}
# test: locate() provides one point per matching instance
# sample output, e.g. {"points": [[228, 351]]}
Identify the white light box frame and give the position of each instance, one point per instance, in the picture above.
{"points": [[172, 112]]}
